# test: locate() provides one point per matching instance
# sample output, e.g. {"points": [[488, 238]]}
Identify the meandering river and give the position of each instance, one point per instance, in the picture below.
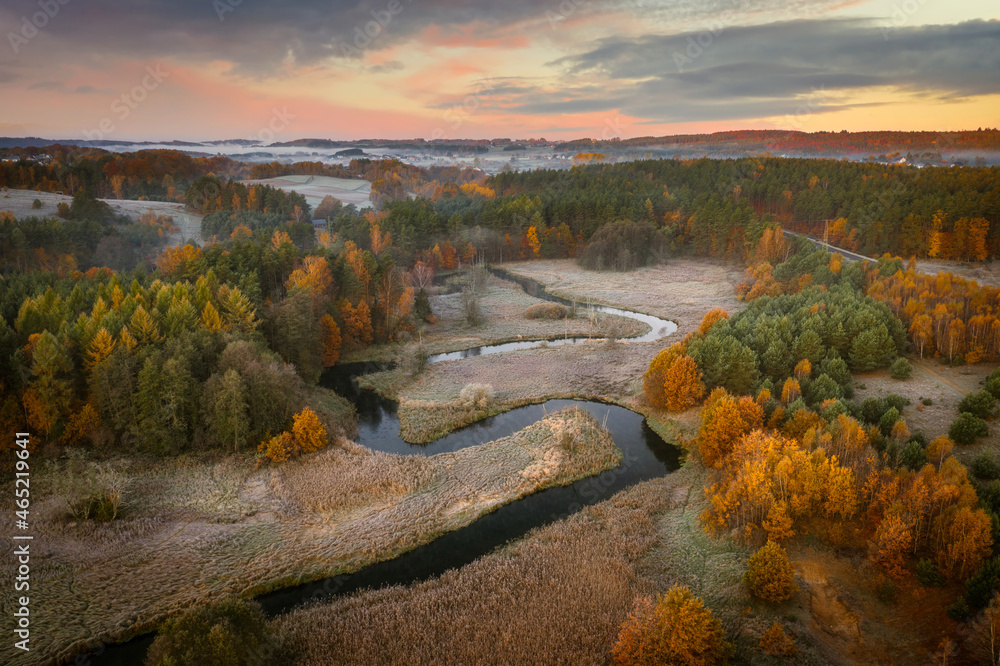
{"points": [[646, 456]]}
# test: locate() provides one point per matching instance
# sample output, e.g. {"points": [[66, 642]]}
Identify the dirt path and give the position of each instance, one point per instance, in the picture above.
{"points": [[929, 369]]}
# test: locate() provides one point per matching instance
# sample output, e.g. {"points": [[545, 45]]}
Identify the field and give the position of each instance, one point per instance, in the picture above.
{"points": [[983, 273], [314, 188], [682, 290], [189, 224], [196, 529], [945, 386], [503, 305]]}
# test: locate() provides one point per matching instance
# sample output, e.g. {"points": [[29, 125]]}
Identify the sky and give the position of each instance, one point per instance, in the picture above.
{"points": [[558, 69]]}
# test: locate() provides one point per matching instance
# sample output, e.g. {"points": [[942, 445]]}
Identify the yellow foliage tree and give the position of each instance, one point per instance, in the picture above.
{"points": [[675, 629], [100, 348], [210, 318], [308, 431], [769, 574]]}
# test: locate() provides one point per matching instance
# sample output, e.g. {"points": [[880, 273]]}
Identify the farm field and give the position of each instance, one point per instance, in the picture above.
{"points": [[188, 223], [314, 188]]}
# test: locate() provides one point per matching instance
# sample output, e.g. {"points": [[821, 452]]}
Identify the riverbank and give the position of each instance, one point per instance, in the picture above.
{"points": [[503, 305], [202, 531], [682, 290]]}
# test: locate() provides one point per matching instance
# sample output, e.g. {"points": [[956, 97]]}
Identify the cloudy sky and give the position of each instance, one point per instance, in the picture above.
{"points": [[221, 69]]}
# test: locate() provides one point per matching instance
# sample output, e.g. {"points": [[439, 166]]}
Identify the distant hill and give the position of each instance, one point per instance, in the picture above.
{"points": [[778, 142]]}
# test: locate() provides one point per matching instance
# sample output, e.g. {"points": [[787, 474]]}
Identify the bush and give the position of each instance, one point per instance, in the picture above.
{"points": [[896, 400], [927, 402], [981, 404], [470, 307], [675, 629], [886, 591], [901, 368], [37, 203], [546, 311], [769, 574], [928, 573], [959, 611], [478, 396], [993, 384], [967, 428], [985, 466], [225, 633], [777, 643], [414, 361]]}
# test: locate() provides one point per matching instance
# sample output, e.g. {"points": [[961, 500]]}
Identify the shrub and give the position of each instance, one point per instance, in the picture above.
{"points": [[470, 307], [777, 643], [37, 203], [769, 574], [981, 404], [225, 633], [967, 428], [985, 466], [993, 384], [414, 361], [478, 396], [675, 629], [959, 611], [928, 573], [927, 402], [886, 591], [896, 400], [546, 311], [901, 368]]}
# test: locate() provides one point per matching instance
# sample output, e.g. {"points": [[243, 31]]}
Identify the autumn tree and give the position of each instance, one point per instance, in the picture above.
{"points": [[967, 543], [654, 378], [769, 574], [675, 629], [709, 320], [725, 419], [309, 432], [682, 385], [330, 336]]}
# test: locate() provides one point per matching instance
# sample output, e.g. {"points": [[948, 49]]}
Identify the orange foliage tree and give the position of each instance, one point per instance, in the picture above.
{"points": [[330, 333], [676, 628]]}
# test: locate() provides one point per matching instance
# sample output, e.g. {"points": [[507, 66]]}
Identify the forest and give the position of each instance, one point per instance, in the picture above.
{"points": [[115, 342]]}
